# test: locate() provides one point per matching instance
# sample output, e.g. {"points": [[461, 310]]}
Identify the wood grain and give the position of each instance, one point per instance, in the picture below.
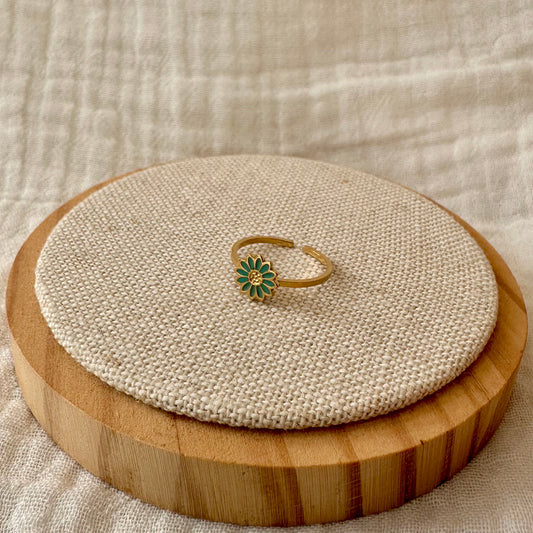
{"points": [[260, 477]]}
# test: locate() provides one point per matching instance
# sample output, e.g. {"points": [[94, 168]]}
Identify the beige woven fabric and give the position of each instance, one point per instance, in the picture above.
{"points": [[137, 284]]}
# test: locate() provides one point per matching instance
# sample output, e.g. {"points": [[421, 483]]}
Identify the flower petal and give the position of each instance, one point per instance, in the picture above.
{"points": [[242, 280], [242, 272], [259, 291], [258, 263], [252, 290], [264, 268], [265, 289], [251, 262], [268, 275], [245, 266], [246, 286], [268, 283]]}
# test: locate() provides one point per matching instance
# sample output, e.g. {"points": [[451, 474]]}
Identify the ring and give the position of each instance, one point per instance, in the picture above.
{"points": [[257, 277]]}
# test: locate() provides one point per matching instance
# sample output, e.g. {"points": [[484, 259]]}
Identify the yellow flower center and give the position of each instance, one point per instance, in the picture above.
{"points": [[255, 277]]}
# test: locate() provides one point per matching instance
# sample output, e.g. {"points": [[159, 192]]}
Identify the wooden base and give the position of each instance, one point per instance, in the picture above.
{"points": [[260, 477]]}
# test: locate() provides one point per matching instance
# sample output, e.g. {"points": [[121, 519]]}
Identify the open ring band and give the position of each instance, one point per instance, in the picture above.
{"points": [[257, 277]]}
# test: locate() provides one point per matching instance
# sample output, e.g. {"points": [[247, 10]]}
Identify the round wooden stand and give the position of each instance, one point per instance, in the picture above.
{"points": [[260, 477]]}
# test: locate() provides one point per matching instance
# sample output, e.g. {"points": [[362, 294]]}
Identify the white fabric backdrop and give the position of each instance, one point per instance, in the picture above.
{"points": [[436, 95]]}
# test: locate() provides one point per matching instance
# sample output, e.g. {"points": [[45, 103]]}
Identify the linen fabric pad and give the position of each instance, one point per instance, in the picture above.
{"points": [[137, 284]]}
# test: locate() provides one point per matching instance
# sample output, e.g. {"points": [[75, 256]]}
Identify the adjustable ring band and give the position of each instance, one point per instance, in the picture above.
{"points": [[257, 277]]}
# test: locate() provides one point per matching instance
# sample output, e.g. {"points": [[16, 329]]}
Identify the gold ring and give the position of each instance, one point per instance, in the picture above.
{"points": [[257, 277]]}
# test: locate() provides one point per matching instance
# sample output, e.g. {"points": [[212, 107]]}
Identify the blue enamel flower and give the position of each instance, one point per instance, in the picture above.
{"points": [[256, 277]]}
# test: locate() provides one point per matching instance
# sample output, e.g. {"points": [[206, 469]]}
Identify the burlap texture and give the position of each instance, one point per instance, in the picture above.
{"points": [[136, 282]]}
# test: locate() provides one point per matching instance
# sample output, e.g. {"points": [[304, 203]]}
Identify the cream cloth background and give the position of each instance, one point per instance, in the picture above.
{"points": [[137, 283], [436, 95]]}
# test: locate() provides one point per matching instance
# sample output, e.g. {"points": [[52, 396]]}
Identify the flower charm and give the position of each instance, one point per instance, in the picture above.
{"points": [[256, 277]]}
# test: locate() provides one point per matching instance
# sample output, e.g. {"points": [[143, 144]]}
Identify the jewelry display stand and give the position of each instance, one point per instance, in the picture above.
{"points": [[260, 475]]}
